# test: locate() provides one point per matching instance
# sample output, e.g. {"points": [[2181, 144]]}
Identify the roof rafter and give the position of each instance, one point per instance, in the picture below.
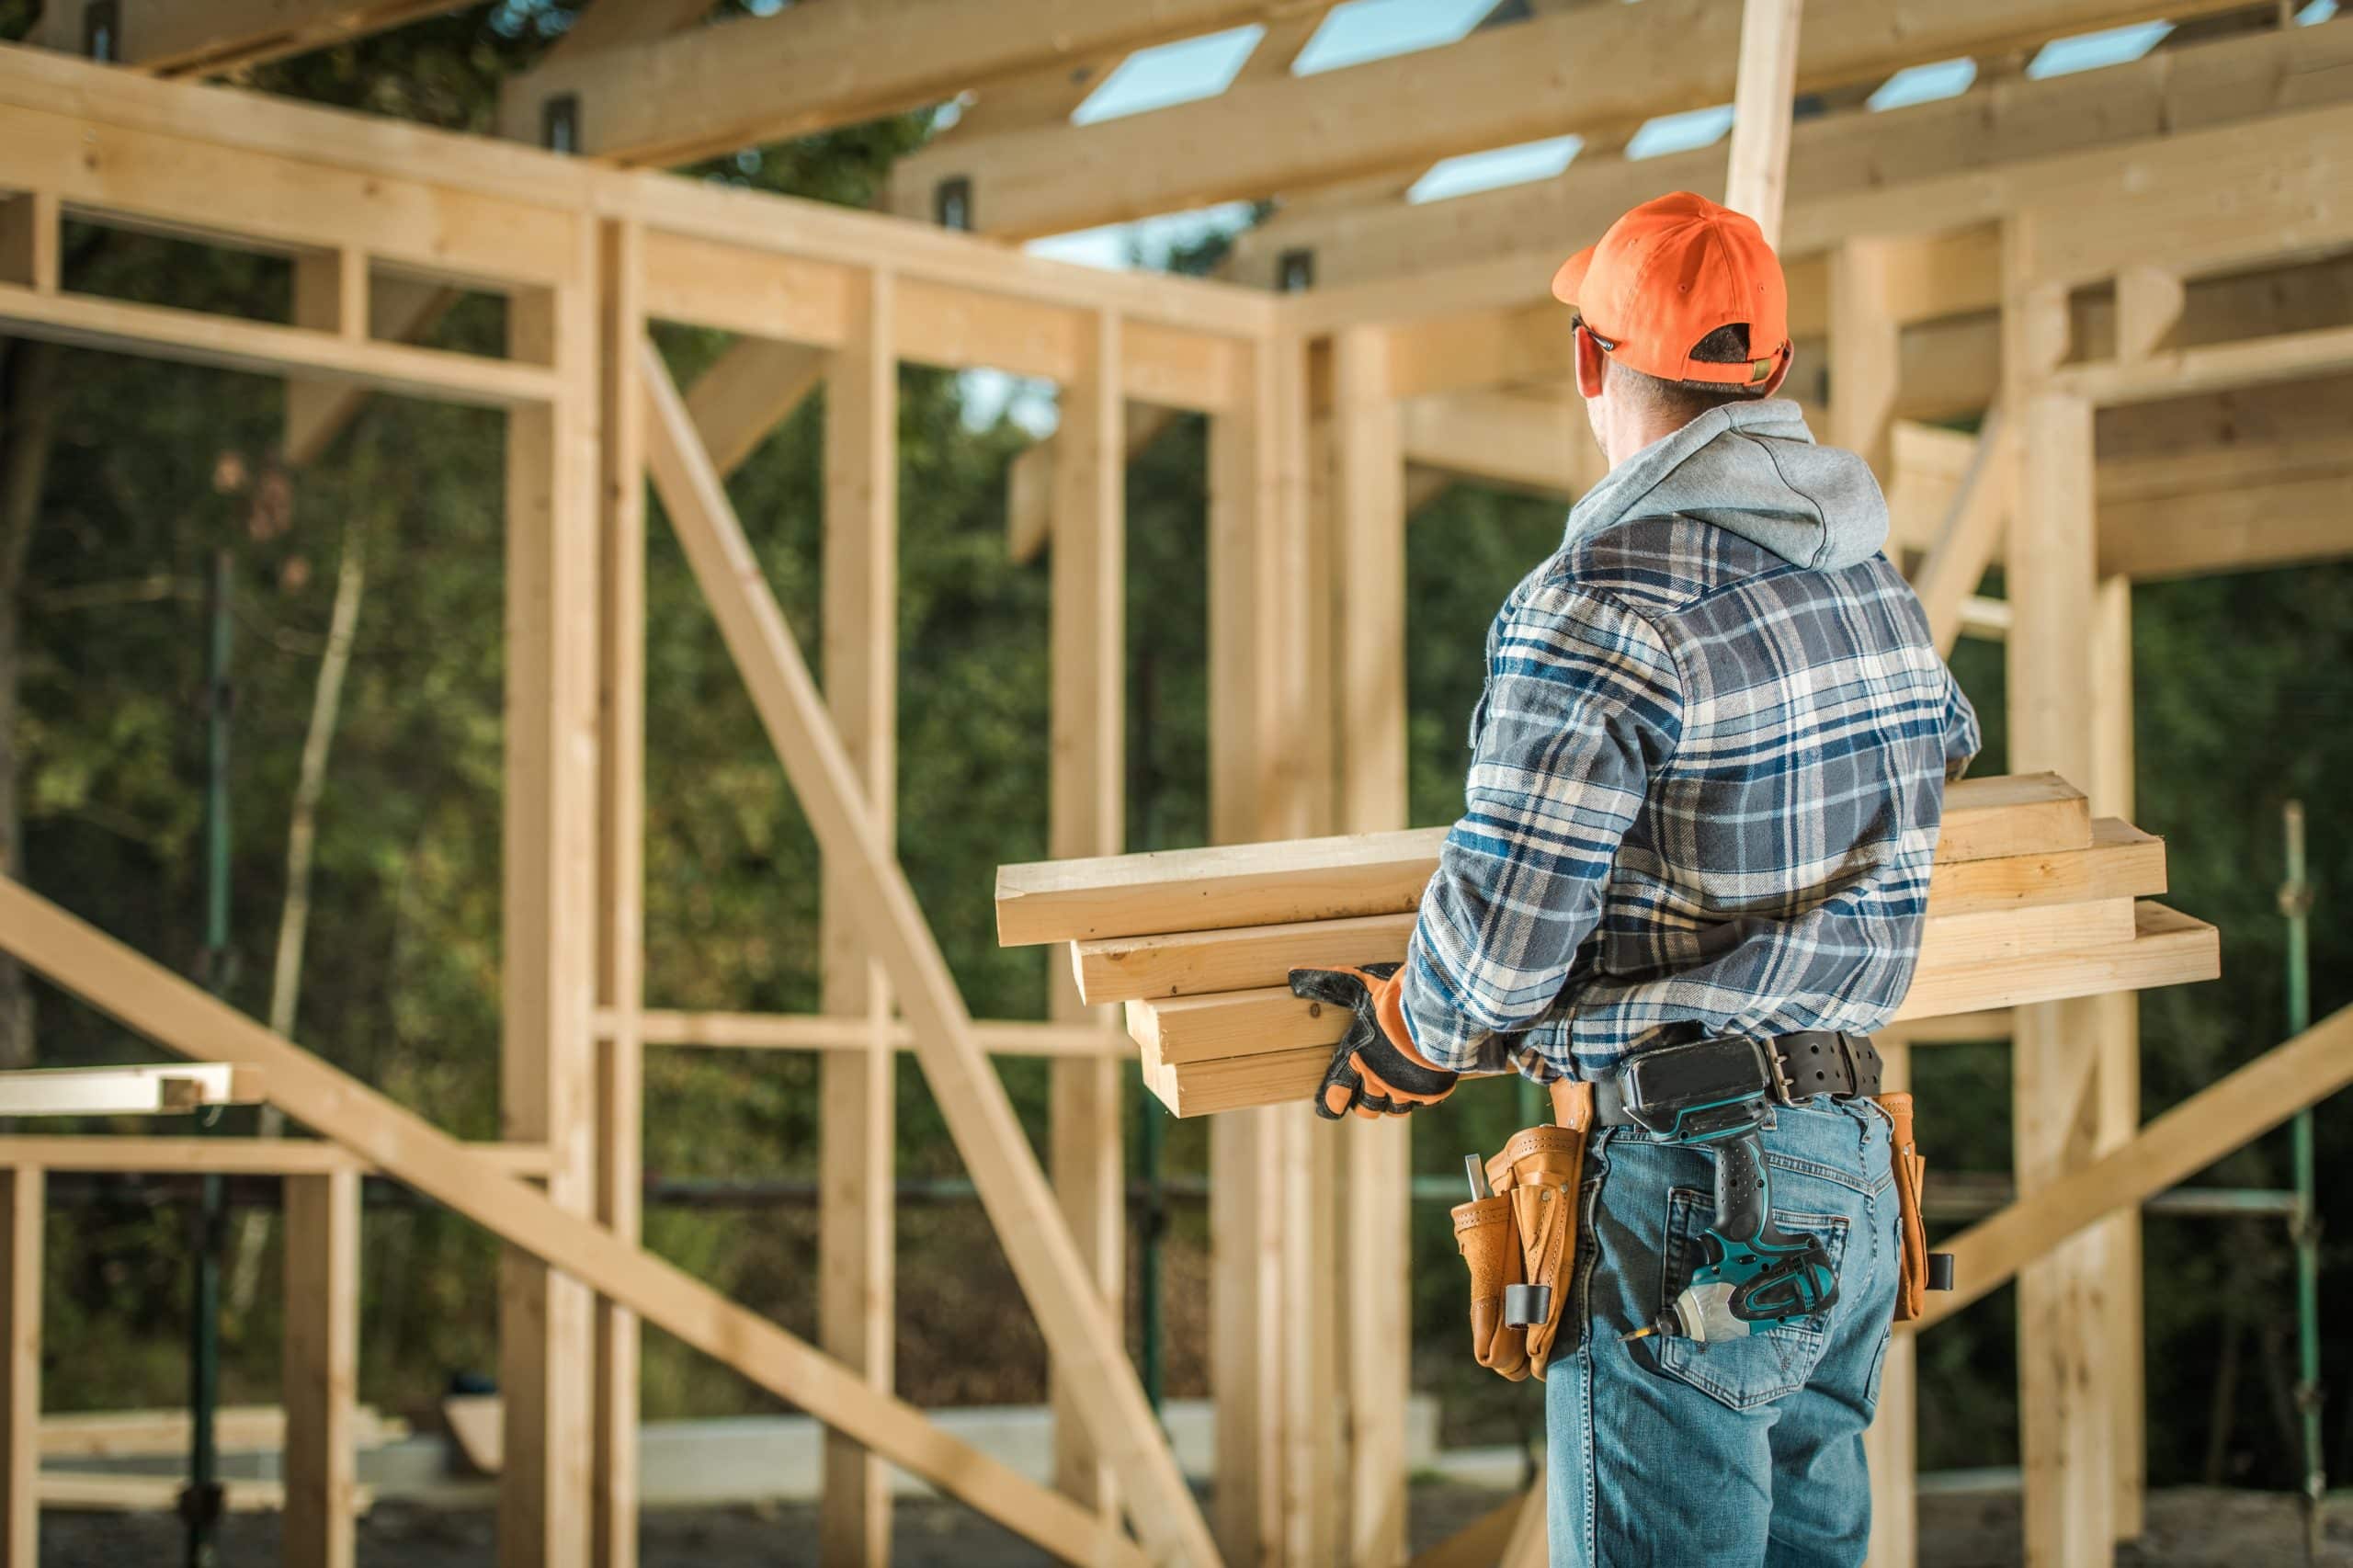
{"points": [[715, 89], [180, 38], [1497, 87], [1835, 157]]}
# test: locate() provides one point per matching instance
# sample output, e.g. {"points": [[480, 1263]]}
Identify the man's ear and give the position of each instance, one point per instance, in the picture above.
{"points": [[1781, 373], [1589, 364]]}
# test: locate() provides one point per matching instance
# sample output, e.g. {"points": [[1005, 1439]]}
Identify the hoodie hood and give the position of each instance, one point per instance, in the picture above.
{"points": [[1751, 469]]}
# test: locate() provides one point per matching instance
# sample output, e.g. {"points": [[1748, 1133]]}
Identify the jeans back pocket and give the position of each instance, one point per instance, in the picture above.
{"points": [[1770, 1363]]}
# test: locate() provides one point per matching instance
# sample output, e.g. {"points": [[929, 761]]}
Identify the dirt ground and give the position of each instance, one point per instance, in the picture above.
{"points": [[2190, 1527]]}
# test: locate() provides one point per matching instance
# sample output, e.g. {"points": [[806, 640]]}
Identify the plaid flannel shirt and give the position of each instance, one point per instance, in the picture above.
{"points": [[1703, 800]]}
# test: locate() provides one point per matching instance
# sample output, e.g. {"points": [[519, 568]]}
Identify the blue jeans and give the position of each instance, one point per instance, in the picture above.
{"points": [[1665, 1453]]}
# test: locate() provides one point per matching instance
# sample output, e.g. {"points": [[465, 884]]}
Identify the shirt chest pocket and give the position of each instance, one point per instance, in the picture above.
{"points": [[1768, 1364]]}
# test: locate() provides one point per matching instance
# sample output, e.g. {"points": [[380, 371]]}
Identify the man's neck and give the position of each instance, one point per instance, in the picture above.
{"points": [[1628, 432]]}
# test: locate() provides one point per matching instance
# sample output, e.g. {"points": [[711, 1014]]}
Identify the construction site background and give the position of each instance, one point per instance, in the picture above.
{"points": [[2246, 699]]}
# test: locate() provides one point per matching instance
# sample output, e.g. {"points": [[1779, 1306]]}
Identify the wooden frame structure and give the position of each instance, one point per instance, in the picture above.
{"points": [[2123, 285]]}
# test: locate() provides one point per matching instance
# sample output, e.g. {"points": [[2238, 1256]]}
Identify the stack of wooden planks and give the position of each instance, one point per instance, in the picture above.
{"points": [[2032, 900]]}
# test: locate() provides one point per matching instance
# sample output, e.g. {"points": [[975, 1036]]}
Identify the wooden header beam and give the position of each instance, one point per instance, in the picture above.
{"points": [[712, 90], [268, 174], [1592, 69], [1921, 169], [183, 37]]}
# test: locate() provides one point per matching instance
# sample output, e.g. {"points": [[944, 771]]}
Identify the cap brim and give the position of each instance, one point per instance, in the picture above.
{"points": [[1570, 278]]}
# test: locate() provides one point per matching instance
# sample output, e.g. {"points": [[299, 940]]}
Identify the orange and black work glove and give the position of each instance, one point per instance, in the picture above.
{"points": [[1375, 1070]]}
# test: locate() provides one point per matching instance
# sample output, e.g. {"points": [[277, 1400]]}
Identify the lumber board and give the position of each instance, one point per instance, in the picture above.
{"points": [[180, 38], [2222, 367], [1294, 1044], [104, 1493], [1963, 961], [2120, 864], [238, 1428], [229, 1156], [195, 337], [708, 91], [158, 1003], [620, 1056], [163, 1089], [23, 1216], [809, 1031], [856, 1250], [1763, 90], [1383, 873], [320, 1371]]}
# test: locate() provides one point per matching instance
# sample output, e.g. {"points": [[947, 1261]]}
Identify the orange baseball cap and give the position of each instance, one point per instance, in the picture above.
{"points": [[1672, 271]]}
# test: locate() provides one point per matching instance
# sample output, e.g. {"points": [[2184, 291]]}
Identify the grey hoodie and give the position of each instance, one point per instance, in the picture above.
{"points": [[1750, 468]]}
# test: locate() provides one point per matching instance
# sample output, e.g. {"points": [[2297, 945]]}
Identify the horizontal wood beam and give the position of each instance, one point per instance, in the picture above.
{"points": [[171, 1088], [158, 1003], [1543, 445], [1932, 168], [230, 1156], [2219, 1119], [2221, 367], [2168, 949], [1968, 962], [712, 90], [161, 332], [1383, 873], [2293, 521], [180, 37], [816, 1031], [139, 1433], [2098, 882], [1499, 87]]}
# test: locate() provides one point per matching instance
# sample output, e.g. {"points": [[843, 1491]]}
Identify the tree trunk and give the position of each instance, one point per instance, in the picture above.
{"points": [[301, 833], [27, 427]]}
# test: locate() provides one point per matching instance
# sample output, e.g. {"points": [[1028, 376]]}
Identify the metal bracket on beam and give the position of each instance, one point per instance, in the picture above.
{"points": [[951, 203], [560, 123], [102, 31], [1295, 271]]}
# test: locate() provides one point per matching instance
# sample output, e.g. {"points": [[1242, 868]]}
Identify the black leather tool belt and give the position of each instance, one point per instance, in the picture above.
{"points": [[1688, 1081]]}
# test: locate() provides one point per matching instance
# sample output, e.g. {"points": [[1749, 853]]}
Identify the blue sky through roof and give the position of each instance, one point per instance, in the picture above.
{"points": [[1171, 73], [1924, 84], [2089, 52], [1359, 31], [1681, 132], [1494, 169]]}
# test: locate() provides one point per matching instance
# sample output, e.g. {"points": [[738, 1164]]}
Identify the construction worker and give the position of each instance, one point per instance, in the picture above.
{"points": [[1707, 774]]}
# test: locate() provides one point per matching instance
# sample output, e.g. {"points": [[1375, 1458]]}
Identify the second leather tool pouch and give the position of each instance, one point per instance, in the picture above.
{"points": [[1911, 1176], [1521, 1244]]}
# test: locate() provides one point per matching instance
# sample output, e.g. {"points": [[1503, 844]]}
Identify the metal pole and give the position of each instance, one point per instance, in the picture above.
{"points": [[2296, 902], [200, 1503]]}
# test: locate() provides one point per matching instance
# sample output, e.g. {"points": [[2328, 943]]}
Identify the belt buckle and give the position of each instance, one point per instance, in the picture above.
{"points": [[1777, 1074]]}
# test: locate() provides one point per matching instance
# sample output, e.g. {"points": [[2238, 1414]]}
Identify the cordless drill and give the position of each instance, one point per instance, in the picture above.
{"points": [[1718, 1093]]}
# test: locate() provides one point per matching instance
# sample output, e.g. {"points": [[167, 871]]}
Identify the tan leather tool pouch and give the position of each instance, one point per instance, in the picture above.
{"points": [[1911, 1173], [1489, 1240], [1527, 1234]]}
